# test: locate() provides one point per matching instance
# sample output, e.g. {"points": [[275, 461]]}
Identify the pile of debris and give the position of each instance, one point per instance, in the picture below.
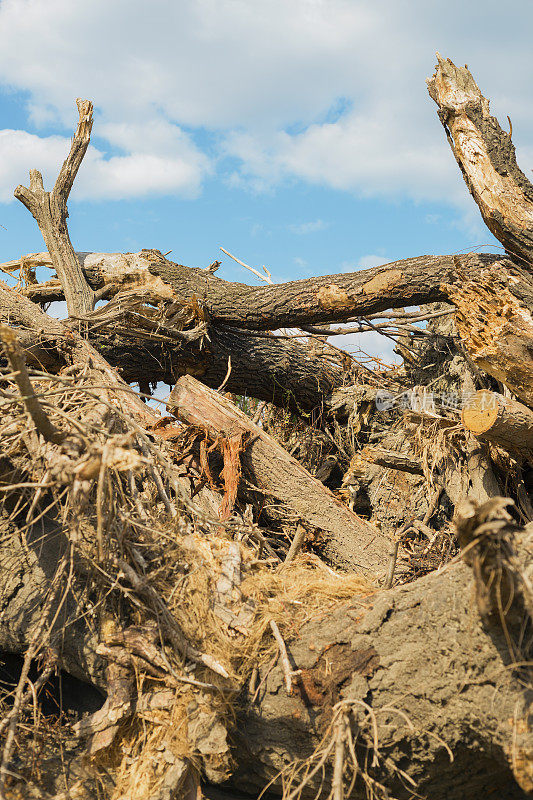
{"points": [[268, 585]]}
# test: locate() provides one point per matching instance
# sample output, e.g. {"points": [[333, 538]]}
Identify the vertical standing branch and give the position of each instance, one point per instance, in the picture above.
{"points": [[49, 210]]}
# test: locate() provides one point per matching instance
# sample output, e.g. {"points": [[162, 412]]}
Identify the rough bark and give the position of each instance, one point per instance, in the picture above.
{"points": [[493, 298], [491, 417], [327, 298], [351, 542], [486, 157], [453, 680]]}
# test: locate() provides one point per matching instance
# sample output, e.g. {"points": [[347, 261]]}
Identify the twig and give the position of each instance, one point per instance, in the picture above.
{"points": [[296, 546], [226, 378], [15, 357], [258, 411], [338, 769], [170, 507], [100, 503], [267, 279], [393, 556], [32, 690], [171, 626], [285, 663]]}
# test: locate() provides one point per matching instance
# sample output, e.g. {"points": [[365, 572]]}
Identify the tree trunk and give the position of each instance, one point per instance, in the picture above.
{"points": [[456, 729], [493, 297]]}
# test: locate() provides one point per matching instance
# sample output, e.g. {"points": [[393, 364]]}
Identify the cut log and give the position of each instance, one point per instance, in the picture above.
{"points": [[486, 157], [352, 543], [391, 459], [492, 417]]}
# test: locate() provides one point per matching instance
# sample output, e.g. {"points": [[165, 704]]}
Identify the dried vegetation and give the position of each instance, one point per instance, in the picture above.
{"points": [[273, 584]]}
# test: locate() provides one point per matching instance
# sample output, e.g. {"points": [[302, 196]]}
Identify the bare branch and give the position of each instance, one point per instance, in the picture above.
{"points": [[15, 357], [49, 210]]}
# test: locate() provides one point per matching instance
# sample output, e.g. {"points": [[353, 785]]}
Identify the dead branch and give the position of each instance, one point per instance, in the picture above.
{"points": [[351, 542], [486, 157], [49, 210], [34, 408]]}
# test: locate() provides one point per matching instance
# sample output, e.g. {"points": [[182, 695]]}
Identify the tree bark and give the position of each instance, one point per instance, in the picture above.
{"points": [[486, 157], [351, 543], [453, 680], [493, 297], [391, 459], [489, 416]]}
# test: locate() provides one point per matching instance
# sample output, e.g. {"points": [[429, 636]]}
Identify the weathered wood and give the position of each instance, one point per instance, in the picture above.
{"points": [[496, 326], [404, 656], [486, 157], [327, 298], [391, 459], [493, 297], [352, 543], [492, 417], [49, 210]]}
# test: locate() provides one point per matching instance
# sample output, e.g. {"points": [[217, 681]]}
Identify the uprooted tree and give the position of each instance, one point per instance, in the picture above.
{"points": [[312, 575]]}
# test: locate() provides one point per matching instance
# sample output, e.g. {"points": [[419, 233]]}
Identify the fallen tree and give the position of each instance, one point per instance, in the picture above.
{"points": [[246, 594]]}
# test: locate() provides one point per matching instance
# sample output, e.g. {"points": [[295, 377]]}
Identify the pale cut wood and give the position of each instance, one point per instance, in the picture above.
{"points": [[352, 543], [486, 157], [49, 210], [495, 325], [491, 416]]}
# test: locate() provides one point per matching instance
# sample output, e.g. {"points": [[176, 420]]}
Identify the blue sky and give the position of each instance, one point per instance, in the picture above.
{"points": [[295, 133]]}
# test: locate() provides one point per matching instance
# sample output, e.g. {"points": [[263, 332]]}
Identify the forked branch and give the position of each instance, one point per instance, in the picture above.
{"points": [[49, 210]]}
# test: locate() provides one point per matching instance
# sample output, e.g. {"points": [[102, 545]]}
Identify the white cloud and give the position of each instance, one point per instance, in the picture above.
{"points": [[147, 170], [303, 228], [369, 343], [330, 92], [372, 260]]}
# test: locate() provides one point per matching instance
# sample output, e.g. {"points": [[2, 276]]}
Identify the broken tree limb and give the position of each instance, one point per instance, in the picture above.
{"points": [[327, 298], [493, 297], [496, 326], [34, 408], [49, 210], [490, 416], [486, 157], [352, 543]]}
